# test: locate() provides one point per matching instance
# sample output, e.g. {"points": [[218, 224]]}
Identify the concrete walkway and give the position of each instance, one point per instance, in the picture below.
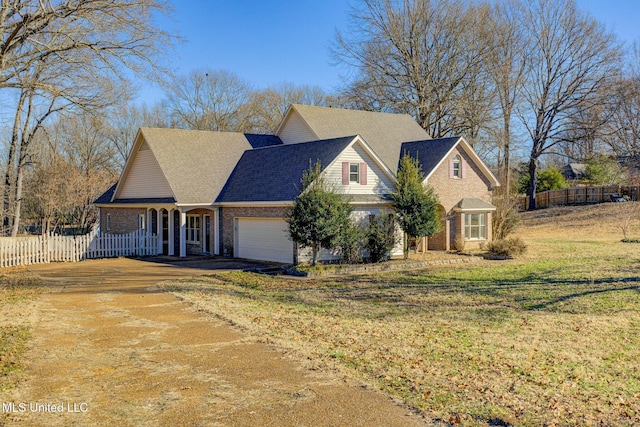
{"points": [[110, 348]]}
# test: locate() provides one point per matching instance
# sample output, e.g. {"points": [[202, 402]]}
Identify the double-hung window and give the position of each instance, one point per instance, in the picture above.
{"points": [[475, 226], [193, 228], [354, 172], [457, 167]]}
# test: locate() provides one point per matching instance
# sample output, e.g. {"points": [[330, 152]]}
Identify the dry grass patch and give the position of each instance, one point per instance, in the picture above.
{"points": [[549, 339], [18, 288]]}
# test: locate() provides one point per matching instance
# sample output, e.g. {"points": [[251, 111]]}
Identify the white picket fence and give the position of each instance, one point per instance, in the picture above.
{"points": [[15, 251]]}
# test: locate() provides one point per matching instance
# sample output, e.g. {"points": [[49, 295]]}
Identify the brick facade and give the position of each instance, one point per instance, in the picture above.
{"points": [[451, 191], [123, 220], [228, 214]]}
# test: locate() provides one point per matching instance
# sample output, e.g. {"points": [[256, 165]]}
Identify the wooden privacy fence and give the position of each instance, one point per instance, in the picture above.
{"points": [[15, 251], [580, 195]]}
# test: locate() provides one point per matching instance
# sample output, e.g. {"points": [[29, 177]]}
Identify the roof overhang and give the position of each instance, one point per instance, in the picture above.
{"points": [[473, 204]]}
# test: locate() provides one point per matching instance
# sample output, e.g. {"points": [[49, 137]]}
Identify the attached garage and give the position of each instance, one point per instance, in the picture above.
{"points": [[264, 239]]}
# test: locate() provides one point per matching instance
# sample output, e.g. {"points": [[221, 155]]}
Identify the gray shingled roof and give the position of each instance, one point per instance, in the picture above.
{"points": [[274, 173], [474, 204], [430, 152], [197, 163], [384, 132], [106, 196]]}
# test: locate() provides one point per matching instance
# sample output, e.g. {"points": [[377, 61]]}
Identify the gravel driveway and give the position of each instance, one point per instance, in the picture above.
{"points": [[110, 348]]}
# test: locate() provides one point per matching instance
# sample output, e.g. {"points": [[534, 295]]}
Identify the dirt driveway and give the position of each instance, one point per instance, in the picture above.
{"points": [[111, 348]]}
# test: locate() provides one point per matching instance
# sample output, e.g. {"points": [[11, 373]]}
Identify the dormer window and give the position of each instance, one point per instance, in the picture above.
{"points": [[354, 172], [456, 167]]}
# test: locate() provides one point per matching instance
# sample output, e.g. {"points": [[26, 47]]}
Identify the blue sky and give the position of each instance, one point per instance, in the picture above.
{"points": [[270, 42]]}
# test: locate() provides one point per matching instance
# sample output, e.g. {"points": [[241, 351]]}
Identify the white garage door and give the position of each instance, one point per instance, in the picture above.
{"points": [[263, 239]]}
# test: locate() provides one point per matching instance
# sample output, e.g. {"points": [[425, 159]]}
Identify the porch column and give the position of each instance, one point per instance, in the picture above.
{"points": [[216, 232], [183, 233], [203, 228], [171, 232], [159, 229], [447, 231], [148, 223]]}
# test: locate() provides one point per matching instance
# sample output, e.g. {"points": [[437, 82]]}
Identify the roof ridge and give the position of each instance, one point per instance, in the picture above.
{"points": [[351, 110]]}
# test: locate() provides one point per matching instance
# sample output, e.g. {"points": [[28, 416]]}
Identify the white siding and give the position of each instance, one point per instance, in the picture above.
{"points": [[145, 178], [377, 181], [295, 130]]}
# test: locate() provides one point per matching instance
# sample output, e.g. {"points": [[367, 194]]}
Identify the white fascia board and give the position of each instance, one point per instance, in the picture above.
{"points": [[137, 205], [457, 209], [257, 204]]}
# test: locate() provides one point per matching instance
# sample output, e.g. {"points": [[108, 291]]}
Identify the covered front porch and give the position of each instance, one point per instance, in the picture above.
{"points": [[185, 230]]}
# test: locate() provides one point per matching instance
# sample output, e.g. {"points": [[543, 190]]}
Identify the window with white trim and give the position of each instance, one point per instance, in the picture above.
{"points": [[193, 228], [457, 166], [475, 226], [142, 221], [108, 222], [354, 172]]}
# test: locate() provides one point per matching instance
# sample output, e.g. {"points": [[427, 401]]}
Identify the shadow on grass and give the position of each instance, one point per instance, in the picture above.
{"points": [[491, 299]]}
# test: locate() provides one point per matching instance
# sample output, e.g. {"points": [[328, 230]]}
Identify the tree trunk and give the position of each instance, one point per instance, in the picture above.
{"points": [[533, 169], [314, 254], [406, 246], [18, 203], [506, 155]]}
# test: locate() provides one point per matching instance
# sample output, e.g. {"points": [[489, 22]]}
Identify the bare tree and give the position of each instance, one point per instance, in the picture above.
{"points": [[571, 57], [99, 32], [420, 57], [267, 107], [506, 62], [69, 55], [73, 165], [623, 124], [209, 100]]}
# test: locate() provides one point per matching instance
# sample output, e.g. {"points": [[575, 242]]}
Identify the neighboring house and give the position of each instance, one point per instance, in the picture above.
{"points": [[227, 193], [574, 171]]}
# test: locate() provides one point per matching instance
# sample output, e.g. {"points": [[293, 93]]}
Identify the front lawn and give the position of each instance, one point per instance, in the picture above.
{"points": [[17, 289], [549, 339]]}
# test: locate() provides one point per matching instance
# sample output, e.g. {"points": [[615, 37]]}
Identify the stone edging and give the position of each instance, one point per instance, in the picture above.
{"points": [[368, 268]]}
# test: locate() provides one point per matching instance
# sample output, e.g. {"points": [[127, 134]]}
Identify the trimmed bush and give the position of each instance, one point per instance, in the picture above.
{"points": [[381, 237], [509, 248]]}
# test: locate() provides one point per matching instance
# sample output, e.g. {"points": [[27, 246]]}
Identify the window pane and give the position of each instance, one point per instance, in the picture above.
{"points": [[354, 172]]}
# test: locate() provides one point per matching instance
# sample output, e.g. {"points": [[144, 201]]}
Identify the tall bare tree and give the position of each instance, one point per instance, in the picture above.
{"points": [[420, 57], [506, 62], [209, 100], [105, 32], [72, 56], [571, 57]]}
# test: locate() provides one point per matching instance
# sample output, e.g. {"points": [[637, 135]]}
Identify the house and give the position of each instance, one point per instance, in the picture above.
{"points": [[227, 193], [574, 171]]}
